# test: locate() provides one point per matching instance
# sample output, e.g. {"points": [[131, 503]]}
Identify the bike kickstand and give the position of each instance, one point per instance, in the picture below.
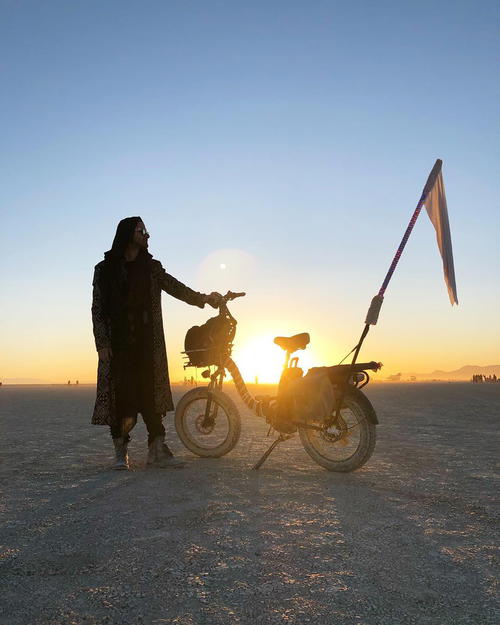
{"points": [[266, 455]]}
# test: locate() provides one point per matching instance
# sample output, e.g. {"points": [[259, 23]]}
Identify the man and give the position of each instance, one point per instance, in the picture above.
{"points": [[132, 375]]}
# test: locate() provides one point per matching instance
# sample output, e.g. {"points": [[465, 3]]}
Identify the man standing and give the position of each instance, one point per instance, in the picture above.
{"points": [[132, 374]]}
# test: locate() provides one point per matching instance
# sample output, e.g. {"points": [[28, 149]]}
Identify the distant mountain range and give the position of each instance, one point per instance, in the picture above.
{"points": [[464, 373]]}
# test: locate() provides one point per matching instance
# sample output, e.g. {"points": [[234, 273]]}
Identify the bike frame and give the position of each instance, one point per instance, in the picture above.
{"points": [[342, 377], [353, 375]]}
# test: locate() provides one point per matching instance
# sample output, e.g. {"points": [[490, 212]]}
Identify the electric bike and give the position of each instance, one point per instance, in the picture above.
{"points": [[333, 417]]}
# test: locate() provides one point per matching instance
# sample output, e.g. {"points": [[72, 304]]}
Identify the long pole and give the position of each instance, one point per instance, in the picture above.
{"points": [[376, 303], [428, 186]]}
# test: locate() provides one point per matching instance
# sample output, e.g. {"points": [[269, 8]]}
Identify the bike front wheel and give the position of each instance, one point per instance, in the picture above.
{"points": [[212, 433], [349, 444]]}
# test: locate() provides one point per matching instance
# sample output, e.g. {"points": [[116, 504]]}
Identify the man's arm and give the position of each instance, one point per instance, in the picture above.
{"points": [[99, 323], [177, 289]]}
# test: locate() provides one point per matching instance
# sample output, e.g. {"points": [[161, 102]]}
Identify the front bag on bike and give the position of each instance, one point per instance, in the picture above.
{"points": [[204, 344]]}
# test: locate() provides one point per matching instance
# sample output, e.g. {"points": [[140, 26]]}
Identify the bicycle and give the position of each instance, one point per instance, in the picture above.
{"points": [[336, 422]]}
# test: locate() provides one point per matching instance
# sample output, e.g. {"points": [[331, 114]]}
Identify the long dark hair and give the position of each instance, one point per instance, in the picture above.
{"points": [[114, 273], [124, 235]]}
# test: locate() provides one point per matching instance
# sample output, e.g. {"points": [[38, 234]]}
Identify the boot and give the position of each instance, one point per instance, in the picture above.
{"points": [[121, 462], [160, 456]]}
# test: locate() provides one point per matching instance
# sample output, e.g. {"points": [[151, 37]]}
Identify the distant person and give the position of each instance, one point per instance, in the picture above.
{"points": [[132, 372]]}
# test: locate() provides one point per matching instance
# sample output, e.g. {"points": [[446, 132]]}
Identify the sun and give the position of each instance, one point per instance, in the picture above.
{"points": [[258, 357]]}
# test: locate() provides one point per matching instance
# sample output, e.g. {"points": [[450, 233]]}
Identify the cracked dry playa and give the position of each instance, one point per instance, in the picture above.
{"points": [[410, 538]]}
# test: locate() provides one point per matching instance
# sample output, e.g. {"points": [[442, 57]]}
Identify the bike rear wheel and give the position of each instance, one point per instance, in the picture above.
{"points": [[212, 435], [349, 445]]}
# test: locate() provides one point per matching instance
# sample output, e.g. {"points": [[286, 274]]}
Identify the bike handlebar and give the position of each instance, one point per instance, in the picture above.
{"points": [[230, 296]]}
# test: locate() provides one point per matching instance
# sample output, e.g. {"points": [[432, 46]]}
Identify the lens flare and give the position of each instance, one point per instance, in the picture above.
{"points": [[226, 270]]}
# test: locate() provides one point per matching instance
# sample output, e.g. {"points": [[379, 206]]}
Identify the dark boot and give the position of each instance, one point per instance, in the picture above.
{"points": [[160, 456], [121, 462]]}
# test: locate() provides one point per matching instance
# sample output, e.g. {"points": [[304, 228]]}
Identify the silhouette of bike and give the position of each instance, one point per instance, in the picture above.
{"points": [[335, 420]]}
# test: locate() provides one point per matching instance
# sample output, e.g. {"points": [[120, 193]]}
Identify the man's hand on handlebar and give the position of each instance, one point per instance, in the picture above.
{"points": [[214, 299]]}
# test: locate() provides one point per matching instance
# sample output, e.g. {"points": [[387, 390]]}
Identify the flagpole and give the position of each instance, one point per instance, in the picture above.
{"points": [[376, 303], [428, 186]]}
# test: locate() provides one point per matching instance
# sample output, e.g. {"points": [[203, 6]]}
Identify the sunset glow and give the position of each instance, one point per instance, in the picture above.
{"points": [[260, 358], [183, 183], [294, 187]]}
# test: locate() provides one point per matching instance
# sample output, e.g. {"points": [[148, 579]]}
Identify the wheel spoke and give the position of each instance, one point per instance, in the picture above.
{"points": [[340, 444], [344, 441], [207, 433]]}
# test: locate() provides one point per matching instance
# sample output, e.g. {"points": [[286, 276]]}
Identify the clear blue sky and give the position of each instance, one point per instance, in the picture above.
{"points": [[297, 134]]}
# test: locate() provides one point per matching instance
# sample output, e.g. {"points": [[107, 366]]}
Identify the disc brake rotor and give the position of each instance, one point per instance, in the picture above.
{"points": [[204, 425], [338, 433]]}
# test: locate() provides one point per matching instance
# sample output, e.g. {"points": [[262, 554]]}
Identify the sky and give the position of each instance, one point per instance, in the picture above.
{"points": [[277, 148]]}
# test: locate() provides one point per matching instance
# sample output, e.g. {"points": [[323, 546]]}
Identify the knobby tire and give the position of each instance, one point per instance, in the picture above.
{"points": [[225, 405], [358, 405]]}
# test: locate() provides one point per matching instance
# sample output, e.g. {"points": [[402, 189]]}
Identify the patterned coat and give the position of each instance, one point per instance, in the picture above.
{"points": [[105, 405]]}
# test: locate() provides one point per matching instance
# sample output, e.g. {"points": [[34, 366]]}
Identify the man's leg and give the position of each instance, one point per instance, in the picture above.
{"points": [[120, 433], [128, 424], [123, 428], [159, 455], [154, 425]]}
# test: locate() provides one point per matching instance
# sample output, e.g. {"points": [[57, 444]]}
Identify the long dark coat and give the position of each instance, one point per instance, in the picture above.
{"points": [[105, 405]]}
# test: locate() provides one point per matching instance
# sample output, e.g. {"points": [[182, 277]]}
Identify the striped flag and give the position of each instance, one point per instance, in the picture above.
{"points": [[435, 204]]}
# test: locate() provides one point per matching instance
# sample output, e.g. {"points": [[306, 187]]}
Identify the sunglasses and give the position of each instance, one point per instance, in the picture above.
{"points": [[143, 231]]}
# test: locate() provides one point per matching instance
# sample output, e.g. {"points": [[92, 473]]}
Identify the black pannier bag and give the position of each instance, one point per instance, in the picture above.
{"points": [[308, 399], [313, 398], [204, 344]]}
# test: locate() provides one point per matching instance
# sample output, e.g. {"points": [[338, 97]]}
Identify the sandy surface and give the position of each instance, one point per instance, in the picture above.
{"points": [[410, 538]]}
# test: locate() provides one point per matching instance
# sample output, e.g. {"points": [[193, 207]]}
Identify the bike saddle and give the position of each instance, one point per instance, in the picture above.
{"points": [[292, 343]]}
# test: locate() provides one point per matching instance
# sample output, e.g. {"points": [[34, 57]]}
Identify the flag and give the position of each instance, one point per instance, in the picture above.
{"points": [[435, 204]]}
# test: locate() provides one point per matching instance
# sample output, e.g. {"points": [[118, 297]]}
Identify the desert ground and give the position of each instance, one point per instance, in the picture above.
{"points": [[409, 538]]}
